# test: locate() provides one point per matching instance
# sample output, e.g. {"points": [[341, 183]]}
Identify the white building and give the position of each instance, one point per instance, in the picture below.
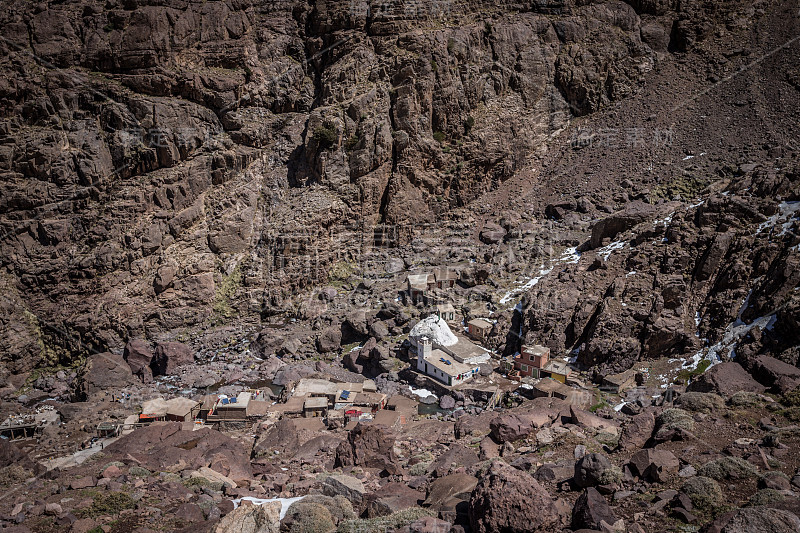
{"points": [[443, 355]]}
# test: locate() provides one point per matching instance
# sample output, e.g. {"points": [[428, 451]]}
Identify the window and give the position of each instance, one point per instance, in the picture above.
{"points": [[524, 368]]}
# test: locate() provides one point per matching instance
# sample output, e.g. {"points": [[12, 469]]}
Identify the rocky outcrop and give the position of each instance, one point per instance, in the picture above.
{"points": [[495, 502], [726, 379], [164, 446], [591, 510], [103, 371], [263, 518], [170, 355], [368, 445], [756, 520], [654, 465]]}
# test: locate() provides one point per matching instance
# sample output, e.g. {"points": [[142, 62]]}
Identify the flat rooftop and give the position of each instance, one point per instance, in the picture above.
{"points": [[453, 369]]}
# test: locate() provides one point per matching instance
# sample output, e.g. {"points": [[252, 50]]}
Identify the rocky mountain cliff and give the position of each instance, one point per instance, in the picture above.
{"points": [[169, 166]]}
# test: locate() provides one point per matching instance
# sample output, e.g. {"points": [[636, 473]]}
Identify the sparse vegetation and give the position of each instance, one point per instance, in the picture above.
{"points": [[704, 492], [765, 497], [689, 375], [726, 468], [111, 503], [439, 136], [385, 523], [701, 402], [326, 135], [745, 399], [351, 143], [685, 187], [225, 292]]}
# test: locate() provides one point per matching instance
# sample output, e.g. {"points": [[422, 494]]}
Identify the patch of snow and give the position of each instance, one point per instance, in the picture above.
{"points": [[606, 251], [570, 256], [664, 221], [285, 502], [698, 204], [631, 273], [786, 212], [436, 329], [619, 407], [688, 157], [526, 286], [422, 393]]}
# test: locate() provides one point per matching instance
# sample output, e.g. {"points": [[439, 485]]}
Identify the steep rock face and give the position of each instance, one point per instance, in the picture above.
{"points": [[714, 271], [169, 165]]}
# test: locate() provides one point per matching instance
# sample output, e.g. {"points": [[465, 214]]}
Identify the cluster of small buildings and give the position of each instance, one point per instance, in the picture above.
{"points": [[313, 397], [421, 285], [213, 408]]}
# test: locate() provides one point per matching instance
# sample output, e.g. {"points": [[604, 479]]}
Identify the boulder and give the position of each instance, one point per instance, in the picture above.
{"points": [[725, 379], [447, 402], [105, 371], [608, 228], [391, 498], [138, 355], [590, 470], [347, 486], [585, 419], [590, 510], [473, 425], [447, 492], [492, 233], [756, 520], [82, 483], [773, 373], [265, 518], [426, 524], [637, 431], [654, 465], [165, 446], [456, 456], [213, 477], [510, 428], [170, 355], [509, 500], [368, 445], [329, 340]]}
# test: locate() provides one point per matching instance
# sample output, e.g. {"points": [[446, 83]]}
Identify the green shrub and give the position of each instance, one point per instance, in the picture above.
{"points": [[138, 471], [392, 522], [611, 476], [726, 468], [419, 469], [469, 123], [351, 143], [745, 399], [701, 402], [111, 503], [791, 398], [439, 136], [704, 493], [765, 497], [675, 418], [792, 414], [13, 475], [326, 135]]}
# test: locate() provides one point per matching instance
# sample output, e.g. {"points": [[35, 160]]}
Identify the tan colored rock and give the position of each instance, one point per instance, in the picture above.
{"points": [[265, 518]]}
